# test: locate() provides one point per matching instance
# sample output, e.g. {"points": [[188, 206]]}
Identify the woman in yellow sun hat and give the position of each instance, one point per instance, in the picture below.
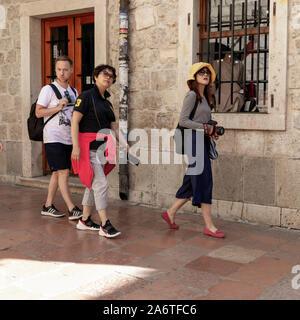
{"points": [[198, 187]]}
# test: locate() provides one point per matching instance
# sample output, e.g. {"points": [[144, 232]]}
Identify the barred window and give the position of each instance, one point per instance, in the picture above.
{"points": [[234, 38]]}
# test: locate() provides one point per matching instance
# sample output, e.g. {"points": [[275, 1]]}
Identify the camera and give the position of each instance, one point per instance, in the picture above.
{"points": [[218, 130]]}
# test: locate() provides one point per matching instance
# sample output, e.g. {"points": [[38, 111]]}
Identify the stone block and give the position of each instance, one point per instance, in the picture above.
{"points": [[143, 177], [288, 183], [226, 143], [290, 218], [229, 210], [162, 80], [144, 197], [169, 178], [144, 18], [297, 120], [3, 131], [3, 85], [139, 81], [144, 100], [250, 143], [282, 145], [14, 131], [3, 160], [168, 55], [261, 214], [259, 181], [164, 120], [228, 178], [14, 154], [14, 86], [141, 120]]}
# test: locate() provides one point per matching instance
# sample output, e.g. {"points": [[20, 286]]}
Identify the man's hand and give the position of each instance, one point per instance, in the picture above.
{"points": [[62, 103]]}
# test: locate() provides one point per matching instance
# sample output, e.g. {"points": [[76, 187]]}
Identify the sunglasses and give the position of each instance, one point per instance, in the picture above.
{"points": [[108, 74], [67, 95], [203, 71]]}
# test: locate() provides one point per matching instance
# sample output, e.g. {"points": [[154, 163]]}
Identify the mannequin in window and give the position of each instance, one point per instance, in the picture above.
{"points": [[226, 69]]}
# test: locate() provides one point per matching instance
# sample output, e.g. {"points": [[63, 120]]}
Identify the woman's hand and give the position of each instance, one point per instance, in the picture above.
{"points": [[75, 153], [215, 137]]}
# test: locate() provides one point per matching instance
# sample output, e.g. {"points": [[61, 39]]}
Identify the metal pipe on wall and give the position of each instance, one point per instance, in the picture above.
{"points": [[123, 108]]}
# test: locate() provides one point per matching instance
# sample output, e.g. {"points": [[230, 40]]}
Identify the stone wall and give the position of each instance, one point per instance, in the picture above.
{"points": [[10, 99]]}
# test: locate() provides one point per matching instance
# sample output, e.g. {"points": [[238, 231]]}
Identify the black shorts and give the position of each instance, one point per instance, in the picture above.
{"points": [[58, 156]]}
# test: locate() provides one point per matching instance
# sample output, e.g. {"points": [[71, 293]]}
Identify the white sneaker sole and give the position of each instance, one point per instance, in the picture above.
{"points": [[104, 234], [45, 213], [82, 226], [75, 217]]}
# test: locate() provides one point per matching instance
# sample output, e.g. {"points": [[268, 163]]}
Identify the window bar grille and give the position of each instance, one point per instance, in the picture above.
{"points": [[232, 10], [208, 30], [258, 52], [252, 27], [265, 57], [220, 50], [245, 44]]}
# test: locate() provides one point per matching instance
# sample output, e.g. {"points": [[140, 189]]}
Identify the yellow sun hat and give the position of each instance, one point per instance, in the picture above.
{"points": [[198, 66]]}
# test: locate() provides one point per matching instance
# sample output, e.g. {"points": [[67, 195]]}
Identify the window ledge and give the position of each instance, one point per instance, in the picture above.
{"points": [[251, 121]]}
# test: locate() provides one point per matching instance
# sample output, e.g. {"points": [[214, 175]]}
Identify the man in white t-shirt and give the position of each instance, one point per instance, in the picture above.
{"points": [[57, 136]]}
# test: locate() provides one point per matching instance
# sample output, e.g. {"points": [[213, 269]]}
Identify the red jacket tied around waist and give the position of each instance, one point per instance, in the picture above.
{"points": [[83, 167]]}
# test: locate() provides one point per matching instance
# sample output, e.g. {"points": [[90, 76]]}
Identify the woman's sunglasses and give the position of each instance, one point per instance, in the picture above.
{"points": [[203, 71], [108, 74]]}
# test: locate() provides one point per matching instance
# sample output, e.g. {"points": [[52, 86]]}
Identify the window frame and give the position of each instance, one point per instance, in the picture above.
{"points": [[275, 118]]}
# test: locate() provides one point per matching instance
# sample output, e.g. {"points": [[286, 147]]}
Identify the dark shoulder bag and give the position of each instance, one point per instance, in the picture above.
{"points": [[179, 132]]}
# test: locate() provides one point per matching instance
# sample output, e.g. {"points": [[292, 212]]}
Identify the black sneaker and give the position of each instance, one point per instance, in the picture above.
{"points": [[75, 213], [88, 224], [51, 211], [108, 230]]}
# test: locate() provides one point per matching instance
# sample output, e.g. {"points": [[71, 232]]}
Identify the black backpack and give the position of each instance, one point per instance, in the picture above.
{"points": [[36, 125]]}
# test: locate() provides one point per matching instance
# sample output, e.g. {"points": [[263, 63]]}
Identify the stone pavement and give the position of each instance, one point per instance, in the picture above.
{"points": [[48, 258]]}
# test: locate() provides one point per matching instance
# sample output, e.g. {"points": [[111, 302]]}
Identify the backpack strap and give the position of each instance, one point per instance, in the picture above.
{"points": [[56, 91], [74, 91], [58, 96], [194, 109]]}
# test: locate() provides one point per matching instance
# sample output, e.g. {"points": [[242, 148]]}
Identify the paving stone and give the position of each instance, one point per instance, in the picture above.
{"points": [[236, 254]]}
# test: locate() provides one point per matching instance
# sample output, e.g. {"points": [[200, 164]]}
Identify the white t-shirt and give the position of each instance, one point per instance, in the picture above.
{"points": [[58, 129]]}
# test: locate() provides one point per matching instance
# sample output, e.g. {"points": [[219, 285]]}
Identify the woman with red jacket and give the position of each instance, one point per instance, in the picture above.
{"points": [[93, 113]]}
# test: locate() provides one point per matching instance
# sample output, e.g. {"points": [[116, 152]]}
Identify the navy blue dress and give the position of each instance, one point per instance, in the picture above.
{"points": [[198, 186]]}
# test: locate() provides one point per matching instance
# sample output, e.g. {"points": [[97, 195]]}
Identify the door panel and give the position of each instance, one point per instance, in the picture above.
{"points": [[84, 49], [59, 40]]}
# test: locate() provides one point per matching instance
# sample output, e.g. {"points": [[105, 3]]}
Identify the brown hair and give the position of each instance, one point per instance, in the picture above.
{"points": [[207, 93], [64, 58]]}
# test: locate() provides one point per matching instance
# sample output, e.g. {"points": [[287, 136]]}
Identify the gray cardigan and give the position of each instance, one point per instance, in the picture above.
{"points": [[202, 114]]}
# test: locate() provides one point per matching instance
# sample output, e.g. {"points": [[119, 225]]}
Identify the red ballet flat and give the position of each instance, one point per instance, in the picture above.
{"points": [[165, 216], [217, 234]]}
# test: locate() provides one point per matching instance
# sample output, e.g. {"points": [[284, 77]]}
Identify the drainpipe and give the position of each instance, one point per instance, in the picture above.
{"points": [[123, 108]]}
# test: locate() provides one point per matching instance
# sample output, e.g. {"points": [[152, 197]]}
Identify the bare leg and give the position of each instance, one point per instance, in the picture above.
{"points": [[206, 212], [63, 176], [175, 207], [86, 212], [52, 188], [103, 216]]}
